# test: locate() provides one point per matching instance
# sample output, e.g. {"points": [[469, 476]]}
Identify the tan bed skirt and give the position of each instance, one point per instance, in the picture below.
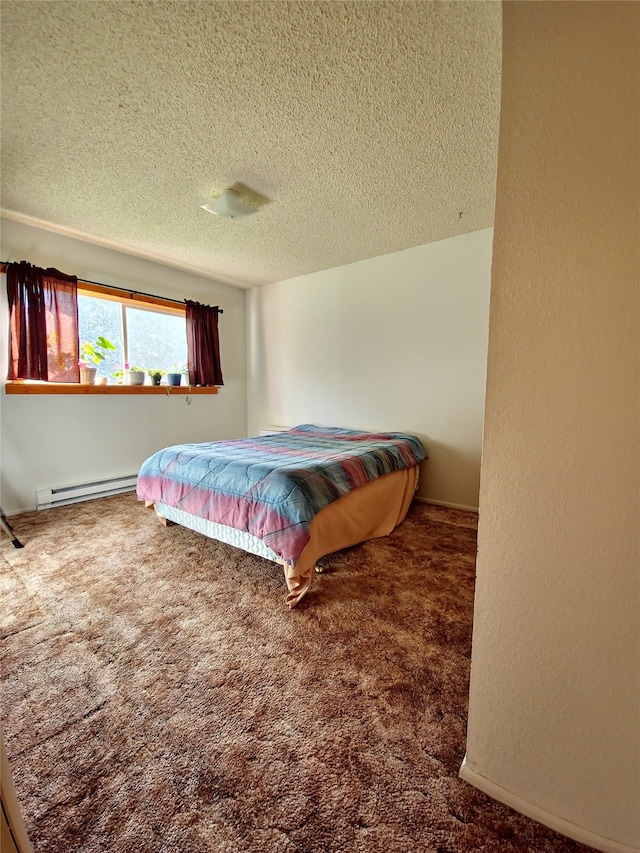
{"points": [[370, 511], [367, 512]]}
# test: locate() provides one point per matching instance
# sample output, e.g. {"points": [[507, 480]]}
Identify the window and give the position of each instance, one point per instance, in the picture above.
{"points": [[145, 332], [148, 336]]}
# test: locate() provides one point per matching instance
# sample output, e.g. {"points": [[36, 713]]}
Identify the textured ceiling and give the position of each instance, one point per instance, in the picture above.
{"points": [[369, 126]]}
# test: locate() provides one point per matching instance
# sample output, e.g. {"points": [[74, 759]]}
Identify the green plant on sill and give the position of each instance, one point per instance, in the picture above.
{"points": [[119, 375], [188, 400], [94, 352]]}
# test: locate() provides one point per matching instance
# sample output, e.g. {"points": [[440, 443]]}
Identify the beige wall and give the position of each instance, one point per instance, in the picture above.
{"points": [[555, 681], [13, 835], [397, 342], [62, 440]]}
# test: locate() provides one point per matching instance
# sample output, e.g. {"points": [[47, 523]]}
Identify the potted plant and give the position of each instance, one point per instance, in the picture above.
{"points": [[94, 354], [174, 376], [136, 376], [156, 376]]}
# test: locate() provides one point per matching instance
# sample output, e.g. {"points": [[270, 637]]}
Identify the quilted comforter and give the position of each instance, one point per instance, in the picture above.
{"points": [[273, 486]]}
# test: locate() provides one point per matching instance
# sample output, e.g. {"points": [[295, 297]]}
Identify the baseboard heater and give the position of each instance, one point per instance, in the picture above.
{"points": [[47, 498]]}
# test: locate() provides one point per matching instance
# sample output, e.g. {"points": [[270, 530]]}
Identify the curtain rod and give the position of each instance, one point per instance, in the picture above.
{"points": [[5, 264]]}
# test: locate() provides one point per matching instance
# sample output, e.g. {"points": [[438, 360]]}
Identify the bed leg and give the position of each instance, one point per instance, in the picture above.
{"points": [[164, 521]]}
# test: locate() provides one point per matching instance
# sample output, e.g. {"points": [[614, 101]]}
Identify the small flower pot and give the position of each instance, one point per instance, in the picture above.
{"points": [[174, 378], [88, 375], [155, 378], [136, 377]]}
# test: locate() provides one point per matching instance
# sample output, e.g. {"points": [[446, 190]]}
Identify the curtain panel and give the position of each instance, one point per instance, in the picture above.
{"points": [[203, 344], [43, 324]]}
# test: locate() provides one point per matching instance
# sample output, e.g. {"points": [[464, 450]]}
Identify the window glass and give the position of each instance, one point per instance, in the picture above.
{"points": [[101, 318], [147, 339], [156, 341]]}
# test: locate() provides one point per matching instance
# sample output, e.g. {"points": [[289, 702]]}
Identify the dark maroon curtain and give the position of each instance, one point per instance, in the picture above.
{"points": [[43, 324], [203, 345]]}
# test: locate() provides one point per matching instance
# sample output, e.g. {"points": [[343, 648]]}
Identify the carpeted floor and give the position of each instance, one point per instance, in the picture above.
{"points": [[157, 694]]}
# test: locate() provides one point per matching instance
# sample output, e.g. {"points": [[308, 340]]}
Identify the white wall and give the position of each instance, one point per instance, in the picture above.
{"points": [[393, 343], [555, 680], [61, 440]]}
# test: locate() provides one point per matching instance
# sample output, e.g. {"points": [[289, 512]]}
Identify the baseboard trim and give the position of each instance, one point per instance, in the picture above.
{"points": [[22, 511], [558, 824], [446, 503]]}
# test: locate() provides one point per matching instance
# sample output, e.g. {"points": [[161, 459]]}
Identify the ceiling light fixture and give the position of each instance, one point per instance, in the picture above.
{"points": [[230, 205]]}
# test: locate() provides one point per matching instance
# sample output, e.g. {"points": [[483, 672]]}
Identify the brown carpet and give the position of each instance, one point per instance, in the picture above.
{"points": [[157, 694]]}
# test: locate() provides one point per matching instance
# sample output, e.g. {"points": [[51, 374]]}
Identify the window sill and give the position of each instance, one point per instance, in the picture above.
{"points": [[27, 387]]}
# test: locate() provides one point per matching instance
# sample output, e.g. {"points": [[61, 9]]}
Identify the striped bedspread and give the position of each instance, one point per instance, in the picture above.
{"points": [[273, 486]]}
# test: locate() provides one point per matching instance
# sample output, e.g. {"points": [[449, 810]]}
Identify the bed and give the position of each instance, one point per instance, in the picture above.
{"points": [[291, 497]]}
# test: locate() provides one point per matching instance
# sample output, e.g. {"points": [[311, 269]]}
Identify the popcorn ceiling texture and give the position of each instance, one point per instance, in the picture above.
{"points": [[370, 127]]}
